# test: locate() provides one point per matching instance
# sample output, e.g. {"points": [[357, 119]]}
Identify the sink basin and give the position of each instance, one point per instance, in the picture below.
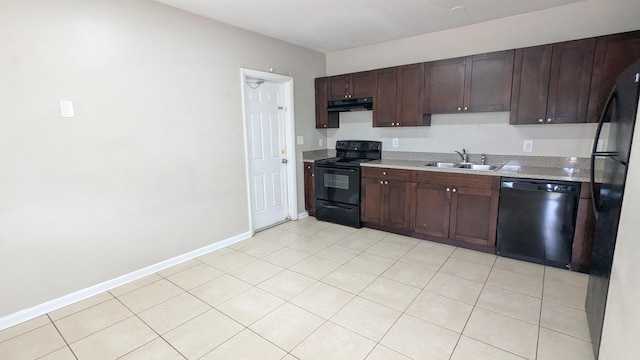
{"points": [[469, 166], [442, 164], [477, 167]]}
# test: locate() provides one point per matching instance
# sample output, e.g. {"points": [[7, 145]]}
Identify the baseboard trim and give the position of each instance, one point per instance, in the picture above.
{"points": [[49, 306], [303, 215]]}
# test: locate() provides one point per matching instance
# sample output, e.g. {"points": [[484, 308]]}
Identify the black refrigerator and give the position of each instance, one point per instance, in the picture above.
{"points": [[622, 109]]}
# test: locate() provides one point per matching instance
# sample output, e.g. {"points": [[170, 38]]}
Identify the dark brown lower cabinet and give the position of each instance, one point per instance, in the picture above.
{"points": [[309, 189], [585, 230], [451, 208], [456, 209], [386, 199]]}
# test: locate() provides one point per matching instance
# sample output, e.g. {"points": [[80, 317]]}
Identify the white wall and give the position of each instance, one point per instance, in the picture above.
{"points": [[621, 329], [488, 133], [152, 166]]}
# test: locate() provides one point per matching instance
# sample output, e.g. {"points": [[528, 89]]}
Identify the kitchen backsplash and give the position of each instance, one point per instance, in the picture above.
{"points": [[478, 133]]}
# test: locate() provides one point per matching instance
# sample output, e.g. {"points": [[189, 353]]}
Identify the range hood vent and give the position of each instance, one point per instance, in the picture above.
{"points": [[350, 105]]}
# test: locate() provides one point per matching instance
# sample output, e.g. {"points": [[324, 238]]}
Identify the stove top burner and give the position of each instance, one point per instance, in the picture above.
{"points": [[352, 153]]}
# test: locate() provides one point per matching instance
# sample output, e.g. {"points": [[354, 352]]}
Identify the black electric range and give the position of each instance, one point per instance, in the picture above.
{"points": [[337, 181]]}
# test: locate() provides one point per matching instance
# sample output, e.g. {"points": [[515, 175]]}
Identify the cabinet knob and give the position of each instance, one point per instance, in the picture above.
{"points": [[459, 109], [381, 182], [324, 125], [454, 190], [312, 175], [386, 183], [466, 108], [384, 173], [448, 189], [549, 120], [541, 121]]}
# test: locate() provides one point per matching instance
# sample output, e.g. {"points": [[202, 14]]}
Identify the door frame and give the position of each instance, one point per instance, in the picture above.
{"points": [[290, 141]]}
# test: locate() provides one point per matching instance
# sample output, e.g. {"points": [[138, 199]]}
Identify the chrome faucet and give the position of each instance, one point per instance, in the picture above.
{"points": [[483, 159], [463, 155]]}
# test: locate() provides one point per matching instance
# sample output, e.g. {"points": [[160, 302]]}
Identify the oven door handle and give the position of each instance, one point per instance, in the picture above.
{"points": [[335, 168]]}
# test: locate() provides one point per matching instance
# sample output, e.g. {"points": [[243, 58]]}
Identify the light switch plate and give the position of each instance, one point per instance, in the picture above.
{"points": [[66, 109], [395, 142], [300, 140], [320, 143], [527, 146]]}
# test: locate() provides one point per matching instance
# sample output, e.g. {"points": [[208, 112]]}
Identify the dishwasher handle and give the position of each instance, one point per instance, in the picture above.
{"points": [[540, 186]]}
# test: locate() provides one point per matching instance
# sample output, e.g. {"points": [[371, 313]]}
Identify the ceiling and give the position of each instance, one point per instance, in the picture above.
{"points": [[332, 25]]}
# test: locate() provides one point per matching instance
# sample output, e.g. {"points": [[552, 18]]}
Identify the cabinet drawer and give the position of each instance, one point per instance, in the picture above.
{"points": [[456, 179], [385, 173]]}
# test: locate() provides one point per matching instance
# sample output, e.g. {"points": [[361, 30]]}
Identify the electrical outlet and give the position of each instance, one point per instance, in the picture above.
{"points": [[395, 142], [527, 146], [300, 140], [320, 142]]}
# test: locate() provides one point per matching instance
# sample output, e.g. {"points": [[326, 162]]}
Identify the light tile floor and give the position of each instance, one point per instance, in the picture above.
{"points": [[314, 290]]}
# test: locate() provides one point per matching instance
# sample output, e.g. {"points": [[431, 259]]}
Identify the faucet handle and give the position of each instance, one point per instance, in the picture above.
{"points": [[483, 159]]}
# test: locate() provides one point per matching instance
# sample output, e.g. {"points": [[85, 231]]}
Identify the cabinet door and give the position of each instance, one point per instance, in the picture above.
{"points": [[385, 102], [338, 87], [446, 86], [398, 204], [488, 82], [614, 53], [569, 81], [371, 209], [530, 90], [432, 210], [309, 189], [410, 95], [474, 215], [362, 84], [323, 118], [584, 232]]}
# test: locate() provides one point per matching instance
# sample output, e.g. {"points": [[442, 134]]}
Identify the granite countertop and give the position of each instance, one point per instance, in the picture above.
{"points": [[532, 167]]}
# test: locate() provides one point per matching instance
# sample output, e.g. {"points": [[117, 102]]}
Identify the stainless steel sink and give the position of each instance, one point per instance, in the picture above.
{"points": [[469, 166], [442, 164]]}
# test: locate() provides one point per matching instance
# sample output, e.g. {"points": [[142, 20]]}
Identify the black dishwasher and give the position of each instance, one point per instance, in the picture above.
{"points": [[536, 220]]}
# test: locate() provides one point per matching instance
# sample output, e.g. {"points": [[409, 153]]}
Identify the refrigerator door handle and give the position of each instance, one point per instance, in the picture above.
{"points": [[595, 153]]}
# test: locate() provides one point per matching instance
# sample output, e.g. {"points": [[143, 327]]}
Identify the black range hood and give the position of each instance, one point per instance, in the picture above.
{"points": [[350, 104]]}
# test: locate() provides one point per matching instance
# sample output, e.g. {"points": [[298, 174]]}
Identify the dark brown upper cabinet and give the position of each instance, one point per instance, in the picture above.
{"points": [[356, 85], [324, 119], [614, 53], [399, 97], [551, 83], [476, 83]]}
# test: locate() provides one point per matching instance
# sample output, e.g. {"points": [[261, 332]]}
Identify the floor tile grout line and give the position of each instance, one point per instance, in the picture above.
{"points": [[63, 339], [544, 275], [26, 332], [154, 330]]}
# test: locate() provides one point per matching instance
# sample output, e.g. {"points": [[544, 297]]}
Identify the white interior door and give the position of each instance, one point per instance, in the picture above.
{"points": [[265, 112]]}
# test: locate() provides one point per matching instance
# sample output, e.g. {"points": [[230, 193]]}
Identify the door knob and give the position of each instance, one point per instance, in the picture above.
{"points": [[284, 161]]}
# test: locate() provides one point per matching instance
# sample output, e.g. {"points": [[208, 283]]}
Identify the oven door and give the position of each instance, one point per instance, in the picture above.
{"points": [[338, 184]]}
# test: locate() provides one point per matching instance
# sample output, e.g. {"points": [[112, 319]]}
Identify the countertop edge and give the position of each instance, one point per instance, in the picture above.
{"points": [[552, 173]]}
